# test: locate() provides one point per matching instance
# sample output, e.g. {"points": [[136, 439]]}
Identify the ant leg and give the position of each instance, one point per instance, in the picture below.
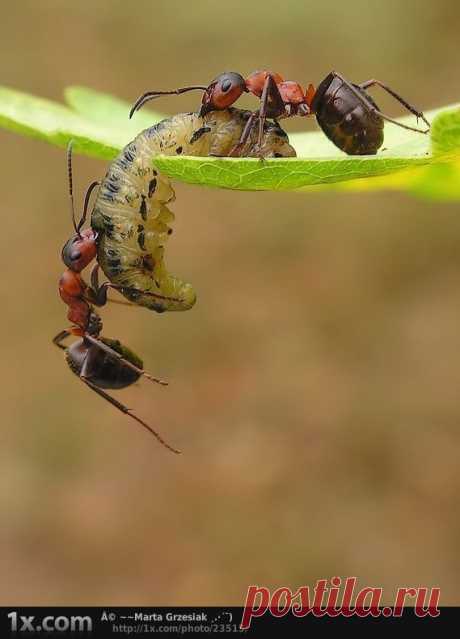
{"points": [[98, 292], [60, 337], [373, 109], [270, 93], [403, 126], [112, 353], [152, 95], [396, 96], [236, 150], [121, 302], [131, 289], [127, 411]]}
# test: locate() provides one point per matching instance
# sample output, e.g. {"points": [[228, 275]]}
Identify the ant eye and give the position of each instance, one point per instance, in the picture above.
{"points": [[226, 84], [75, 256]]}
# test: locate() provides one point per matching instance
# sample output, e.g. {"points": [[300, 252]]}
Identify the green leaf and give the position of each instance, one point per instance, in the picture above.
{"points": [[445, 133], [54, 123], [110, 113], [278, 174], [428, 166], [322, 163]]}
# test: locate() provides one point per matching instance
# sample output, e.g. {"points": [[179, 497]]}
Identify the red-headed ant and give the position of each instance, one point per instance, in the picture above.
{"points": [[346, 113], [99, 362]]}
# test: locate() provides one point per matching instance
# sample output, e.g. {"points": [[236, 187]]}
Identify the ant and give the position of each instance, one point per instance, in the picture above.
{"points": [[345, 112], [99, 362]]}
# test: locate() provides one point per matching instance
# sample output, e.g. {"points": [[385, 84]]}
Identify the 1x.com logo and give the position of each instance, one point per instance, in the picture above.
{"points": [[50, 623]]}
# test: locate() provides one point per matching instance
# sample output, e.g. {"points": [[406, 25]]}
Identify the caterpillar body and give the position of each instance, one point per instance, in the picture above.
{"points": [[131, 215]]}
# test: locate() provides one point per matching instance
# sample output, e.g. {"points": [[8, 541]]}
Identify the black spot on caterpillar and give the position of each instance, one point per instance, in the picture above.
{"points": [[131, 215], [141, 237], [197, 135], [143, 209], [152, 186]]}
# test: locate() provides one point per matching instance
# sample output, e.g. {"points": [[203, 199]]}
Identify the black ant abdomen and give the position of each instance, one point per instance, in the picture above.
{"points": [[349, 116], [101, 369], [345, 118]]}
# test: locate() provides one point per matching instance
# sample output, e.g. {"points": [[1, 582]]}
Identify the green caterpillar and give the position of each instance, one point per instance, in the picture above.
{"points": [[131, 214]]}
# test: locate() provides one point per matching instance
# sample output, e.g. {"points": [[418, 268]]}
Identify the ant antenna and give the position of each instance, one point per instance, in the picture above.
{"points": [[91, 188], [153, 95], [69, 174]]}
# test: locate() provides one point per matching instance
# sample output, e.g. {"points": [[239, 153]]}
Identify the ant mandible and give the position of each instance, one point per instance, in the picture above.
{"points": [[99, 362], [345, 112]]}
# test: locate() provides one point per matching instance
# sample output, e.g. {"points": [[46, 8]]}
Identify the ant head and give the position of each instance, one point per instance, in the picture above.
{"points": [[80, 250], [222, 92]]}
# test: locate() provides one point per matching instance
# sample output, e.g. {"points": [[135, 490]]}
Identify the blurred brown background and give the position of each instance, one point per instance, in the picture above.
{"points": [[315, 386]]}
